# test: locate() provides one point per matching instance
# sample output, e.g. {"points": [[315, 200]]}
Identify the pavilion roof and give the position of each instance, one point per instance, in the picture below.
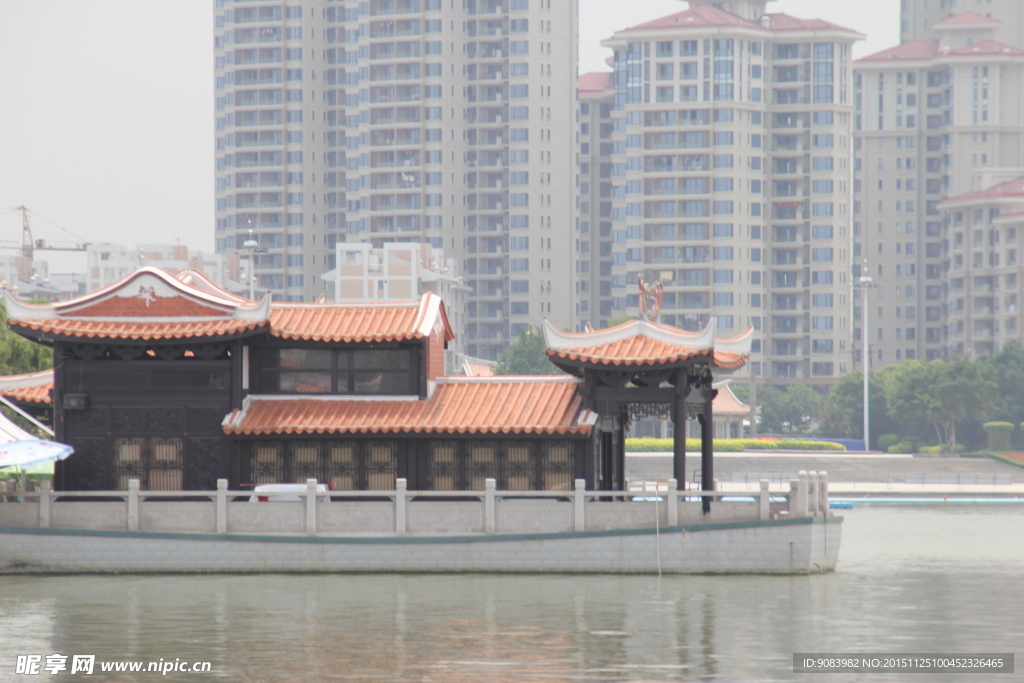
{"points": [[640, 343], [151, 305], [33, 387], [361, 322], [726, 402], [460, 405]]}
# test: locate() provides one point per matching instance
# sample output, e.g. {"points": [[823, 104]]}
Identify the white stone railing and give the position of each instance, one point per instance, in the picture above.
{"points": [[401, 511]]}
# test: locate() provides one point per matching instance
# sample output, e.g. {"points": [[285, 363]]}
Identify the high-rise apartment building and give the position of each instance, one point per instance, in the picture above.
{"points": [[935, 119], [919, 19], [272, 122], [594, 241], [731, 180], [986, 235], [433, 121]]}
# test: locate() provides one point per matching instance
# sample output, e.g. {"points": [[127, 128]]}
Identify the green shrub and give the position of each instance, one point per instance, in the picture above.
{"points": [[887, 441], [935, 450], [902, 447], [999, 434], [648, 445]]}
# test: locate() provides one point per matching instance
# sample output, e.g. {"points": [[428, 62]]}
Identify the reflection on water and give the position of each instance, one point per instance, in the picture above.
{"points": [[910, 580]]}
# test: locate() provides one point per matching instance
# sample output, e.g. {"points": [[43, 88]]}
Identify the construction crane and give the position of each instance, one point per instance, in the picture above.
{"points": [[27, 245]]}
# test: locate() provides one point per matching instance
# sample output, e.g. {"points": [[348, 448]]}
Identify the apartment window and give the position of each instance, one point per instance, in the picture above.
{"points": [[821, 255]]}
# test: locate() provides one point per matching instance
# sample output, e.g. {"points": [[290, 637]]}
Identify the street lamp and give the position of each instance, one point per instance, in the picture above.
{"points": [[866, 284], [253, 248]]}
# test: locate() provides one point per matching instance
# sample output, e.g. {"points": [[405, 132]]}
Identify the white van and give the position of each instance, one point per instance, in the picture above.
{"points": [[285, 493]]}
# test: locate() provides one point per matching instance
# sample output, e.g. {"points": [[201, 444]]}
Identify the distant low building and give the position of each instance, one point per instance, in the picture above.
{"points": [[400, 271], [110, 263], [28, 277]]}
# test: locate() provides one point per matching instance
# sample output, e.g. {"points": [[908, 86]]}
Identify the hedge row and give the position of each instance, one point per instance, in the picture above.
{"points": [[647, 445], [935, 450]]}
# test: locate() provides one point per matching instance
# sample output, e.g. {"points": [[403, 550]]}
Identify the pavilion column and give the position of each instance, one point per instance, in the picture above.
{"points": [[707, 435], [679, 436]]}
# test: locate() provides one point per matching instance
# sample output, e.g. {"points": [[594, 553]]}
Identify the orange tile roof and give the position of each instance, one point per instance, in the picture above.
{"points": [[913, 51], [359, 322], [509, 405], [112, 329], [472, 369], [595, 81], [149, 304], [726, 403], [639, 350], [641, 342], [198, 280], [969, 18], [30, 388]]}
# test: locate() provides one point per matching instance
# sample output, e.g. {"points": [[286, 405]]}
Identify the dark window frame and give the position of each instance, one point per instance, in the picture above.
{"points": [[343, 374]]}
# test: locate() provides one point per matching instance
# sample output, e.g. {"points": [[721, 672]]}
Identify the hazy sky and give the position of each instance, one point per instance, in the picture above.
{"points": [[106, 109]]}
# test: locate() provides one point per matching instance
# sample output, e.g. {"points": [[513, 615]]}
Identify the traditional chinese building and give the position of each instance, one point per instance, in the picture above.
{"points": [[176, 382]]}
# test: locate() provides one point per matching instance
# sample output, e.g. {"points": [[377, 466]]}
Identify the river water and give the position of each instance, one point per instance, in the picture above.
{"points": [[910, 579]]}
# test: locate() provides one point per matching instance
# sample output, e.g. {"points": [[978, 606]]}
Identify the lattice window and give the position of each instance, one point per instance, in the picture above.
{"points": [[520, 471], [481, 464], [342, 466], [128, 461], [305, 462], [557, 467], [267, 463], [442, 467], [381, 466], [158, 463]]}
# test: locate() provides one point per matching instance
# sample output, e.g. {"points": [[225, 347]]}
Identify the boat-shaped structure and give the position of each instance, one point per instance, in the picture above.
{"points": [[178, 397]]}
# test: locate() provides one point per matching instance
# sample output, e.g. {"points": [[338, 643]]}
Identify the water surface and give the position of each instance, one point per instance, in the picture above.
{"points": [[936, 579]]}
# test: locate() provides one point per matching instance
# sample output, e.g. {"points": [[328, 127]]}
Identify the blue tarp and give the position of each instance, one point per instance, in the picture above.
{"points": [[850, 443]]}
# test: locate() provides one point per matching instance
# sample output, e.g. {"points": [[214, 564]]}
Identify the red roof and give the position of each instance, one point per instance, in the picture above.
{"points": [[507, 405], [633, 351], [151, 305], [147, 304], [966, 18], [1013, 189], [726, 403], [361, 322], [987, 48], [31, 388], [1010, 217], [787, 22], [595, 81], [915, 50], [477, 369], [640, 342], [107, 329], [703, 16]]}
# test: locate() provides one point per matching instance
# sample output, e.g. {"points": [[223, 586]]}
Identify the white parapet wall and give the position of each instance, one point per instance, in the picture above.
{"points": [[496, 531]]}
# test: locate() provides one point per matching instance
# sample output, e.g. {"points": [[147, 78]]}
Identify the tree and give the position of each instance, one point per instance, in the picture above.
{"points": [[1007, 367], [618, 320], [843, 411], [527, 356], [19, 355], [789, 411], [941, 392]]}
